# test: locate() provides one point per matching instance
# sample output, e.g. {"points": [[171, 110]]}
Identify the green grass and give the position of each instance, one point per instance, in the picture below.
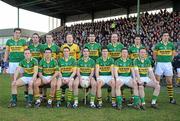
{"points": [[167, 112]]}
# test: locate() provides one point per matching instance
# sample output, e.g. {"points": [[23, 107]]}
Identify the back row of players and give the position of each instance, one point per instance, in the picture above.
{"points": [[113, 65]]}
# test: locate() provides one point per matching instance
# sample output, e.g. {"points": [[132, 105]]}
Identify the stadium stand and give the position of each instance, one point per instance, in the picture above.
{"points": [[152, 25]]}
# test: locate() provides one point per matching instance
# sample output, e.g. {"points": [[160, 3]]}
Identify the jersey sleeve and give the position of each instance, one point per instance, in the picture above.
{"points": [[156, 48], [56, 65], [21, 63], [40, 66], [97, 61], [77, 52], [35, 62], [112, 61], [93, 63]]}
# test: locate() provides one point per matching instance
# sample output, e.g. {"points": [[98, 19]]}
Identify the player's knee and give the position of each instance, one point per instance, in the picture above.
{"points": [[157, 87], [99, 83], [93, 84], [118, 85], [70, 85], [13, 84], [76, 84], [141, 87], [113, 85], [30, 85], [36, 84]]}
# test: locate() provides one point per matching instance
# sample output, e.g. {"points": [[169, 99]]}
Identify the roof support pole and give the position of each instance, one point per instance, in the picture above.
{"points": [[128, 11], [18, 17], [138, 17], [92, 16], [63, 21]]}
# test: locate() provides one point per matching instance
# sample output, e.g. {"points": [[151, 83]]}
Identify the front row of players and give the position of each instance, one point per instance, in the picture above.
{"points": [[136, 74]]}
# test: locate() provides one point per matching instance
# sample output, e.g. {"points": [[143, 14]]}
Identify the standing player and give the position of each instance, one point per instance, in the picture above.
{"points": [[163, 54], [74, 52], [55, 52], [36, 47], [48, 71], [74, 48], [134, 49], [177, 67], [114, 49], [85, 71], [105, 75], [94, 48], [145, 78], [14, 51], [123, 71], [30, 67], [49, 44], [67, 66]]}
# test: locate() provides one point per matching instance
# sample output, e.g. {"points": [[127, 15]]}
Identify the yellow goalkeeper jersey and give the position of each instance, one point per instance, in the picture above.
{"points": [[74, 50]]}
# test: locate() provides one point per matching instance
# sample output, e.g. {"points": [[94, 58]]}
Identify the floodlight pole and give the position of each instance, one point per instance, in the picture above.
{"points": [[18, 17], [138, 16]]}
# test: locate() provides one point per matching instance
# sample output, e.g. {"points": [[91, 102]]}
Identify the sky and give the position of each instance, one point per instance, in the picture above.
{"points": [[38, 22], [28, 20]]}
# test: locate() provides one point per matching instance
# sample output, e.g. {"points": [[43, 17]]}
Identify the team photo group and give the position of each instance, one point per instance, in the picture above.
{"points": [[66, 69]]}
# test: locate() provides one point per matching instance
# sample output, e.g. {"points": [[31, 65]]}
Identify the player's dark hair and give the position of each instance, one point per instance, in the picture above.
{"points": [[104, 47], [49, 34], [142, 48], [85, 48], [124, 49], [91, 34], [48, 49], [36, 34], [138, 36], [66, 48], [17, 29], [27, 49]]}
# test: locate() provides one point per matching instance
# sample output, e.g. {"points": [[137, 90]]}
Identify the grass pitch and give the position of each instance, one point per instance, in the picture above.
{"points": [[166, 112]]}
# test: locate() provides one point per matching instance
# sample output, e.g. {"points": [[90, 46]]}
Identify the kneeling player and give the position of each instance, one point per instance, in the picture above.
{"points": [[143, 71], [48, 71], [67, 66], [104, 75], [123, 71], [85, 72], [30, 67]]}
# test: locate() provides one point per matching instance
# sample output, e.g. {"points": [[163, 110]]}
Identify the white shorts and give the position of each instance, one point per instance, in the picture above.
{"points": [[164, 68], [12, 67], [125, 80], [105, 79], [178, 70], [47, 77], [85, 77], [145, 79], [26, 80]]}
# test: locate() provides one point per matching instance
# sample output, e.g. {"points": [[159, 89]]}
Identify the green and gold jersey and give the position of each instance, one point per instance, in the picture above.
{"points": [[28, 67], [54, 48], [16, 49], [134, 51], [115, 50], [142, 66], [124, 67], [94, 50], [67, 66], [164, 52], [85, 66], [105, 66], [74, 50], [36, 51], [48, 68]]}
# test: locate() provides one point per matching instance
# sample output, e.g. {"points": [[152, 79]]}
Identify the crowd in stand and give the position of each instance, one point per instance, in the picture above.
{"points": [[151, 27]]}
